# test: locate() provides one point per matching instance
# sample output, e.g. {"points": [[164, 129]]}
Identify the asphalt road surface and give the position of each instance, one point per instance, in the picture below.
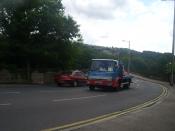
{"points": [[36, 107]]}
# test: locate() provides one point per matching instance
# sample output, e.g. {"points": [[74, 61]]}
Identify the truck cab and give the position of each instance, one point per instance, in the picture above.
{"points": [[107, 73]]}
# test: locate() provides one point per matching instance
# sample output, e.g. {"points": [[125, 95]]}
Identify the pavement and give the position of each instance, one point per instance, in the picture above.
{"points": [[38, 107], [159, 117]]}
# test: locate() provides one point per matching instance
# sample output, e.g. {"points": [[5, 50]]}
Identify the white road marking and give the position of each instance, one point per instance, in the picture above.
{"points": [[78, 98], [5, 104], [48, 91], [10, 92]]}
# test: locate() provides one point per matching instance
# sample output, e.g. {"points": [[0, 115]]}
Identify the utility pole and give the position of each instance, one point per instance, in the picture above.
{"points": [[172, 66], [129, 59], [129, 54], [172, 63]]}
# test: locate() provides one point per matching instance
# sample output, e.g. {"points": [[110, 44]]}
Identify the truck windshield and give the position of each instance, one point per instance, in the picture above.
{"points": [[102, 65]]}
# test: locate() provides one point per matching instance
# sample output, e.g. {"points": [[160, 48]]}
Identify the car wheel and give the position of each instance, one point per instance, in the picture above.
{"points": [[92, 88], [75, 83], [58, 84]]}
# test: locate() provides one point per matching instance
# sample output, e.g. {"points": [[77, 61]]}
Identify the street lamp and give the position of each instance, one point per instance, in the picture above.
{"points": [[172, 70], [129, 54]]}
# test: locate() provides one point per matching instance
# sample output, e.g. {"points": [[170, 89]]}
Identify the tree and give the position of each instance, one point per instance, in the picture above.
{"points": [[37, 33]]}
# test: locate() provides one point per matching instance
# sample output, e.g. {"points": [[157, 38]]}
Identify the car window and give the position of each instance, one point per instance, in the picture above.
{"points": [[79, 74], [76, 74]]}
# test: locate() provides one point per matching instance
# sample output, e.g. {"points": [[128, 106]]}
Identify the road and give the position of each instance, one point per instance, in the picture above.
{"points": [[36, 107]]}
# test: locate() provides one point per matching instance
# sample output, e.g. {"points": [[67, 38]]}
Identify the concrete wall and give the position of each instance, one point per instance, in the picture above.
{"points": [[36, 77]]}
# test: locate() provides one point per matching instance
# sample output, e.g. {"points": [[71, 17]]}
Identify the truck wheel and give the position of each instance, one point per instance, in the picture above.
{"points": [[119, 82], [92, 88], [127, 85]]}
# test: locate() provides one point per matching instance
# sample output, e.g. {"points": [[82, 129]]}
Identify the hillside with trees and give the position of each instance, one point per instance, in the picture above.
{"points": [[150, 64]]}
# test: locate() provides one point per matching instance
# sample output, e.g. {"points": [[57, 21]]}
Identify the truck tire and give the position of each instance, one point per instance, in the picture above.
{"points": [[119, 82], [127, 85], [91, 88]]}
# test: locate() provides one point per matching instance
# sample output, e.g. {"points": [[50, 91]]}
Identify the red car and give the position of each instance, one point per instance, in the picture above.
{"points": [[74, 78]]}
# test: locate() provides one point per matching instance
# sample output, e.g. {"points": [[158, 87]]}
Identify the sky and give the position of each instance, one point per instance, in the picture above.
{"points": [[147, 24]]}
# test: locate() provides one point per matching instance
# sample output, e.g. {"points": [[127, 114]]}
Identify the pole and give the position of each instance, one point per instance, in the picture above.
{"points": [[172, 70], [129, 57], [129, 54]]}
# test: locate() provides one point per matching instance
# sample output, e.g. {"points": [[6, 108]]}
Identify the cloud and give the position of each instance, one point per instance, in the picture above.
{"points": [[107, 22], [95, 9]]}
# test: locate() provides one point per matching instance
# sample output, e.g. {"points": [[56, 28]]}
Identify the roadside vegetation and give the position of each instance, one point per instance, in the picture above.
{"points": [[38, 35]]}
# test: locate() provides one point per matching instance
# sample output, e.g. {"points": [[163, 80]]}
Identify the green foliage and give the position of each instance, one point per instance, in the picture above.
{"points": [[36, 34], [169, 68]]}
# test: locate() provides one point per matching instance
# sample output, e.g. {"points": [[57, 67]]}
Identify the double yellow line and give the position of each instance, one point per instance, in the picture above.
{"points": [[109, 116]]}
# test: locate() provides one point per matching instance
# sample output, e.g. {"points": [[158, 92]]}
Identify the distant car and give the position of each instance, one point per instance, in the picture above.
{"points": [[74, 78]]}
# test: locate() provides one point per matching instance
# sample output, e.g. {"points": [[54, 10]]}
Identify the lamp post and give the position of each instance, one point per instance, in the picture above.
{"points": [[129, 54], [172, 70], [172, 66]]}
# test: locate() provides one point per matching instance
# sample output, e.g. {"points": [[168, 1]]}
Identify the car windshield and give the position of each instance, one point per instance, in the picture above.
{"points": [[102, 65]]}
